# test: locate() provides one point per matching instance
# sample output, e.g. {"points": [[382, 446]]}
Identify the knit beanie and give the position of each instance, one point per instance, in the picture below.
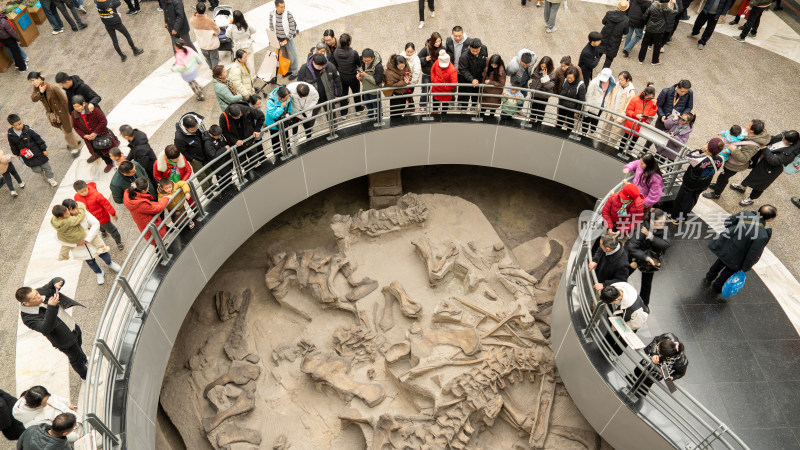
{"points": [[713, 146], [629, 192], [444, 59]]}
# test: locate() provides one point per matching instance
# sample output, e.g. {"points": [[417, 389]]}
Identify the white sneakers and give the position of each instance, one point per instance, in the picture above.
{"points": [[433, 13], [21, 184], [421, 24], [14, 194], [101, 279], [115, 267], [52, 182]]}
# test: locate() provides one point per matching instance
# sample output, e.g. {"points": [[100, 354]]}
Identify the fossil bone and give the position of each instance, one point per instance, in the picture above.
{"points": [[232, 434], [332, 369], [239, 373], [243, 404]]}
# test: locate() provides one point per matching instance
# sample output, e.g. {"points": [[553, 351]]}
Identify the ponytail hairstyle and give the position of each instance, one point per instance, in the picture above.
{"points": [[35, 396], [139, 186], [180, 45], [649, 91], [650, 167], [692, 118]]}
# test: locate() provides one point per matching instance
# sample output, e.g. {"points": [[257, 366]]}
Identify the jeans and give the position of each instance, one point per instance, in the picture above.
{"points": [[654, 39], [11, 55], [111, 229], [63, 8], [550, 10], [753, 21], [14, 49], [45, 169], [633, 37], [290, 47], [112, 31], [212, 57], [372, 106], [92, 263], [77, 359], [719, 273], [422, 9], [51, 13], [710, 21], [11, 172]]}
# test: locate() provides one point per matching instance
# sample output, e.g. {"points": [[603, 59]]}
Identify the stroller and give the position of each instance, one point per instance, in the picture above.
{"points": [[268, 71], [223, 17]]}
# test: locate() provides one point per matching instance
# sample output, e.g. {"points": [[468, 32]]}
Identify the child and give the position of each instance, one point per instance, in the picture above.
{"points": [[100, 208], [178, 190], [8, 170], [30, 148], [69, 229], [513, 98], [735, 134]]}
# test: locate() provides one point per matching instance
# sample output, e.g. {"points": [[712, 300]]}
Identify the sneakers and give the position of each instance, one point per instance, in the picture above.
{"points": [[690, 35], [746, 202], [24, 69], [58, 31], [115, 267], [22, 185], [138, 51], [625, 53], [132, 12], [737, 187], [656, 63], [14, 194], [421, 24], [700, 46], [83, 26], [433, 13], [52, 182], [120, 246], [737, 38], [101, 279], [82, 10], [663, 49], [159, 10], [711, 195], [752, 34], [124, 57], [551, 30], [75, 29]]}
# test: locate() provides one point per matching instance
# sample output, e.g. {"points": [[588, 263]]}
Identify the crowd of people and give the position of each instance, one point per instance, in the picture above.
{"points": [[153, 185]]}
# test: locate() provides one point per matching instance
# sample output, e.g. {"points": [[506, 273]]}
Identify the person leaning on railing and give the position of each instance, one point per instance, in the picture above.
{"points": [[443, 72], [623, 211], [397, 77], [668, 357], [703, 165], [279, 106], [641, 108], [625, 303], [609, 262], [143, 207]]}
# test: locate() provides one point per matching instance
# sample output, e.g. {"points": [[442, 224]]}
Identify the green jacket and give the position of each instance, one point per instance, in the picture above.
{"points": [[740, 156], [373, 75], [119, 183], [224, 95], [70, 230]]}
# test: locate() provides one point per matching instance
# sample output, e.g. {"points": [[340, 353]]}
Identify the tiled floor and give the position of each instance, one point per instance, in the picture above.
{"points": [[744, 353]]}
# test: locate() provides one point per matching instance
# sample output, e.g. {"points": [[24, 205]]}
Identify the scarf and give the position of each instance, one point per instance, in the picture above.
{"points": [[174, 173], [227, 82]]}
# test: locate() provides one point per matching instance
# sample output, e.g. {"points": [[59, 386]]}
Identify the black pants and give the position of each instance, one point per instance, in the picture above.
{"points": [[590, 123], [719, 274], [627, 143], [753, 21], [609, 59], [63, 8], [710, 22], [566, 118], [112, 31], [16, 52], [536, 113], [12, 171], [755, 193], [111, 229], [77, 359], [307, 126], [654, 39], [14, 429], [422, 9], [722, 181], [133, 5], [467, 95], [398, 106], [684, 203], [659, 125], [351, 84], [647, 285]]}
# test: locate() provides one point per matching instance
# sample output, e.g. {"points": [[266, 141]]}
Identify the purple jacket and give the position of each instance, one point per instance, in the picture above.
{"points": [[680, 132], [651, 189], [6, 30]]}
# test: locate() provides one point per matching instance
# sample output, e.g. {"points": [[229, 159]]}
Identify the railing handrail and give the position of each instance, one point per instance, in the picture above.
{"points": [[152, 256]]}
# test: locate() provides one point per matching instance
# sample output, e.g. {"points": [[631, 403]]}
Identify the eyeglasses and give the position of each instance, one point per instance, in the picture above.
{"points": [[683, 119]]}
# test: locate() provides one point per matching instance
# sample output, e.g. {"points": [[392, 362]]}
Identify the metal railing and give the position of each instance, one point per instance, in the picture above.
{"points": [[133, 289]]}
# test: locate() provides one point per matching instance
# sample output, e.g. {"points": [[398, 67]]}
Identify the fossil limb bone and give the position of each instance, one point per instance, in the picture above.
{"points": [[244, 403], [332, 369], [232, 434], [239, 373]]}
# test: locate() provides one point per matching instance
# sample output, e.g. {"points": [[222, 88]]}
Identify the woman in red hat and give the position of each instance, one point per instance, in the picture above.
{"points": [[624, 210]]}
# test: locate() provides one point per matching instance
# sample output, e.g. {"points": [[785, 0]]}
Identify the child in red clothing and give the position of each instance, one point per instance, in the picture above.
{"points": [[97, 204]]}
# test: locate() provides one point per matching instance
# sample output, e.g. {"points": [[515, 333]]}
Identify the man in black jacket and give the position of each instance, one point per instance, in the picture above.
{"points": [[73, 85], [590, 56], [456, 45], [323, 75], [175, 21], [30, 148], [140, 150], [740, 246], [646, 248], [609, 262], [45, 310], [470, 71], [189, 131], [615, 25], [11, 427]]}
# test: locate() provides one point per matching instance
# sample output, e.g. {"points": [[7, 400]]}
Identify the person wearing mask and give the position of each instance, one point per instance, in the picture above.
{"points": [[617, 102], [655, 19], [679, 127], [57, 109], [573, 88], [282, 23], [30, 148], [48, 437], [127, 173], [242, 35], [543, 82], [91, 124], [304, 100], [703, 165], [741, 154], [347, 62], [456, 45], [590, 55], [708, 18], [636, 24], [279, 106], [780, 152], [646, 249], [240, 76], [740, 247], [609, 262], [647, 178], [428, 57], [561, 71], [330, 42], [624, 210], [175, 21], [12, 428], [470, 69], [139, 148], [113, 23], [597, 95], [322, 74], [493, 75], [754, 11], [73, 85], [63, 6], [615, 25], [207, 33], [10, 40], [443, 72], [550, 11], [44, 310], [371, 76], [641, 109], [521, 67], [422, 11], [143, 206], [397, 77], [189, 139], [223, 88]]}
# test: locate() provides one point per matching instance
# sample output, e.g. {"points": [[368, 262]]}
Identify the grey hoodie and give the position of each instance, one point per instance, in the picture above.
{"points": [[514, 68], [37, 438]]}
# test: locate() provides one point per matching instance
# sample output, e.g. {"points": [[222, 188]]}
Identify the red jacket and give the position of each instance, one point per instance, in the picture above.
{"points": [[97, 124], [635, 107], [162, 167], [97, 204], [439, 75], [143, 208], [628, 222]]}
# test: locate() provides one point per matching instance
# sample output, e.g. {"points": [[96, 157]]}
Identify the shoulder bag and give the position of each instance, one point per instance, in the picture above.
{"points": [[101, 143]]}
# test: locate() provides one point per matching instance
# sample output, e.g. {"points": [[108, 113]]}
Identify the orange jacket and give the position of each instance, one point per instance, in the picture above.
{"points": [[636, 106]]}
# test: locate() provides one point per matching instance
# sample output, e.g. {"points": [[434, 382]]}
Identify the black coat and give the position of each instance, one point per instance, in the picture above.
{"points": [[656, 16], [698, 177], [771, 164], [611, 268], [31, 140], [470, 67], [615, 25], [11, 427], [450, 49], [590, 57], [213, 148], [575, 90], [639, 248], [636, 13], [141, 152], [744, 240], [237, 129], [175, 17], [425, 64], [46, 321], [82, 89], [679, 363], [190, 144]]}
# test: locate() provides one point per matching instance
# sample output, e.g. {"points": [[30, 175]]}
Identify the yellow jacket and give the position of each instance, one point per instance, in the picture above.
{"points": [[179, 189]]}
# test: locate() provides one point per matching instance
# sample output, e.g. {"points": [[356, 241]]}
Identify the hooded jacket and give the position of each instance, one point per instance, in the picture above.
{"points": [[745, 237], [206, 31], [96, 203], [31, 140], [190, 144], [700, 171], [615, 25], [395, 78], [330, 79], [515, 70], [656, 17], [37, 438], [179, 191], [119, 182], [632, 218], [175, 17], [631, 308], [589, 59], [70, 229], [303, 106], [771, 164], [447, 75], [237, 129], [740, 156], [162, 167], [275, 109], [680, 132], [93, 122], [44, 318], [575, 90], [6, 30], [617, 101], [82, 89], [143, 208], [141, 152], [597, 97], [611, 268], [651, 188], [373, 74], [470, 67], [636, 13]]}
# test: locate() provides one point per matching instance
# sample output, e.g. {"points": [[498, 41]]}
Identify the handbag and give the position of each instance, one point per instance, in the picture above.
{"points": [[283, 62], [734, 284], [103, 142]]}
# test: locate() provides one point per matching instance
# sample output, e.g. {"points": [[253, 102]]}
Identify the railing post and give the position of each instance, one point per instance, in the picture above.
{"points": [[638, 382], [331, 128], [162, 249], [477, 117], [599, 312], [98, 425], [126, 287], [379, 117], [283, 141], [237, 171], [428, 117], [109, 356], [715, 434], [201, 211]]}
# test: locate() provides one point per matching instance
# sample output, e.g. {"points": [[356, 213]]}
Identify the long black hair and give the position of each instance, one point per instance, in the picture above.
{"points": [[139, 186], [650, 167], [34, 397], [548, 62], [238, 20], [494, 59]]}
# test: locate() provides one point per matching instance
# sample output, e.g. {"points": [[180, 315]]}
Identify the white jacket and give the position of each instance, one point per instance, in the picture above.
{"points": [[594, 94], [629, 296], [34, 416], [241, 38], [92, 227], [303, 106], [414, 66]]}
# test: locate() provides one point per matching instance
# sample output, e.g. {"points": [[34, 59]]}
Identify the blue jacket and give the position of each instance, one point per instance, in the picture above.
{"points": [[664, 102], [274, 110]]}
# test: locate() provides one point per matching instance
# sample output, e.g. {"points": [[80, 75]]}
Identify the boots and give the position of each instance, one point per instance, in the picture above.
{"points": [[198, 91]]}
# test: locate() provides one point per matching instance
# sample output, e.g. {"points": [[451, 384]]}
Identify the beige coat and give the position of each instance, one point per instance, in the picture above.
{"points": [[617, 102], [241, 79], [206, 31], [5, 160], [55, 101]]}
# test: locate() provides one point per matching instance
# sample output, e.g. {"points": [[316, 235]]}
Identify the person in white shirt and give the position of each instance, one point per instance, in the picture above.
{"points": [[37, 406], [304, 101]]}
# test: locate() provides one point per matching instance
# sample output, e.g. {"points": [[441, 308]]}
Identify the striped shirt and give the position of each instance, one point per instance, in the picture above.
{"points": [[276, 25]]}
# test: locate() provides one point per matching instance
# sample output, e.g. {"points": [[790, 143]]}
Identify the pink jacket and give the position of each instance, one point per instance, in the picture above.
{"points": [[651, 189]]}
